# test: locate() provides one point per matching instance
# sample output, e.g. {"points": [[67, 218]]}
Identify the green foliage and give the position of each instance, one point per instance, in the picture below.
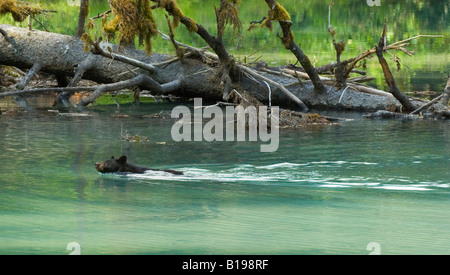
{"points": [[123, 98], [229, 15], [132, 18], [279, 13], [18, 9], [87, 42], [177, 14], [192, 27]]}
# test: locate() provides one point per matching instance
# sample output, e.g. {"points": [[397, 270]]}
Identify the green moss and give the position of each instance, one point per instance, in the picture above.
{"points": [[180, 52], [18, 9], [287, 40], [124, 98], [192, 26], [279, 13], [229, 15], [132, 18], [87, 42]]}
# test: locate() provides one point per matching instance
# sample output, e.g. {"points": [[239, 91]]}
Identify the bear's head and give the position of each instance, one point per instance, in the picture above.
{"points": [[111, 165]]}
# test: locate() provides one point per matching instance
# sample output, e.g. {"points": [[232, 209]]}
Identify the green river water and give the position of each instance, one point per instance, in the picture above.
{"points": [[339, 189], [327, 190]]}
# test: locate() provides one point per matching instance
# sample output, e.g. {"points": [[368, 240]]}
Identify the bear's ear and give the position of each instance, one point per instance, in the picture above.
{"points": [[122, 160]]}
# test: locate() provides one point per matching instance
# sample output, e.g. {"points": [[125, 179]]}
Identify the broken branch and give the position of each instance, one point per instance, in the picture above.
{"points": [[97, 49], [287, 39], [427, 105], [394, 46], [140, 80], [31, 73], [402, 98], [273, 83]]}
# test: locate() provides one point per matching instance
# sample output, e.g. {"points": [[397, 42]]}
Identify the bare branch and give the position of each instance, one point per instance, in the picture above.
{"points": [[273, 83], [402, 98], [289, 43], [140, 80], [394, 46], [31, 73], [97, 49]]}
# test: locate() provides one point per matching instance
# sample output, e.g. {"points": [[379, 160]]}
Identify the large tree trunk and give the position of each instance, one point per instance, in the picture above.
{"points": [[61, 54]]}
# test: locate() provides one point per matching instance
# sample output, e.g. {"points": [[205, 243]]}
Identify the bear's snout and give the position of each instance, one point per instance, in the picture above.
{"points": [[98, 166]]}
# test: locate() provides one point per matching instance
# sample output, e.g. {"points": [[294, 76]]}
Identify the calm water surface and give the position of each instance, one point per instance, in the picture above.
{"points": [[327, 190]]}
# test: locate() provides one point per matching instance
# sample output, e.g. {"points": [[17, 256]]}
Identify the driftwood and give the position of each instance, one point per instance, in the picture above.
{"points": [[436, 108], [163, 74], [62, 55], [382, 114], [197, 72]]}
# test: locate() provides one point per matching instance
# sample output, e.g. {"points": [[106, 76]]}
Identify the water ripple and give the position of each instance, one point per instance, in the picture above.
{"points": [[322, 174]]}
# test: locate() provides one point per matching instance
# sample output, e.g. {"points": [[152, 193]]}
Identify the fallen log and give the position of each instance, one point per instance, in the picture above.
{"points": [[62, 55]]}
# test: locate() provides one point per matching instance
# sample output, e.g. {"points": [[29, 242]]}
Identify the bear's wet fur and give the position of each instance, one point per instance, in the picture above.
{"points": [[121, 166]]}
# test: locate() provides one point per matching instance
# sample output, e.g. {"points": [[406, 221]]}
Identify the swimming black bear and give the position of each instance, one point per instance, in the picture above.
{"points": [[120, 165]]}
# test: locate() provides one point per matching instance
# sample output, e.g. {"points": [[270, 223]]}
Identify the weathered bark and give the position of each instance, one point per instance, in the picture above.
{"points": [[57, 53], [391, 115], [423, 107], [289, 43], [31, 73], [61, 54], [84, 11], [438, 106], [339, 72], [140, 80], [408, 106], [446, 95]]}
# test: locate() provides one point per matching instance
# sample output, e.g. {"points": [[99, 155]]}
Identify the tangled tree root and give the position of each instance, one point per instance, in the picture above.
{"points": [[287, 118]]}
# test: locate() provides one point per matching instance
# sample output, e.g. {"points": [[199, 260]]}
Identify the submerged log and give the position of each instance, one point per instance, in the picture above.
{"points": [[382, 114], [62, 55]]}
